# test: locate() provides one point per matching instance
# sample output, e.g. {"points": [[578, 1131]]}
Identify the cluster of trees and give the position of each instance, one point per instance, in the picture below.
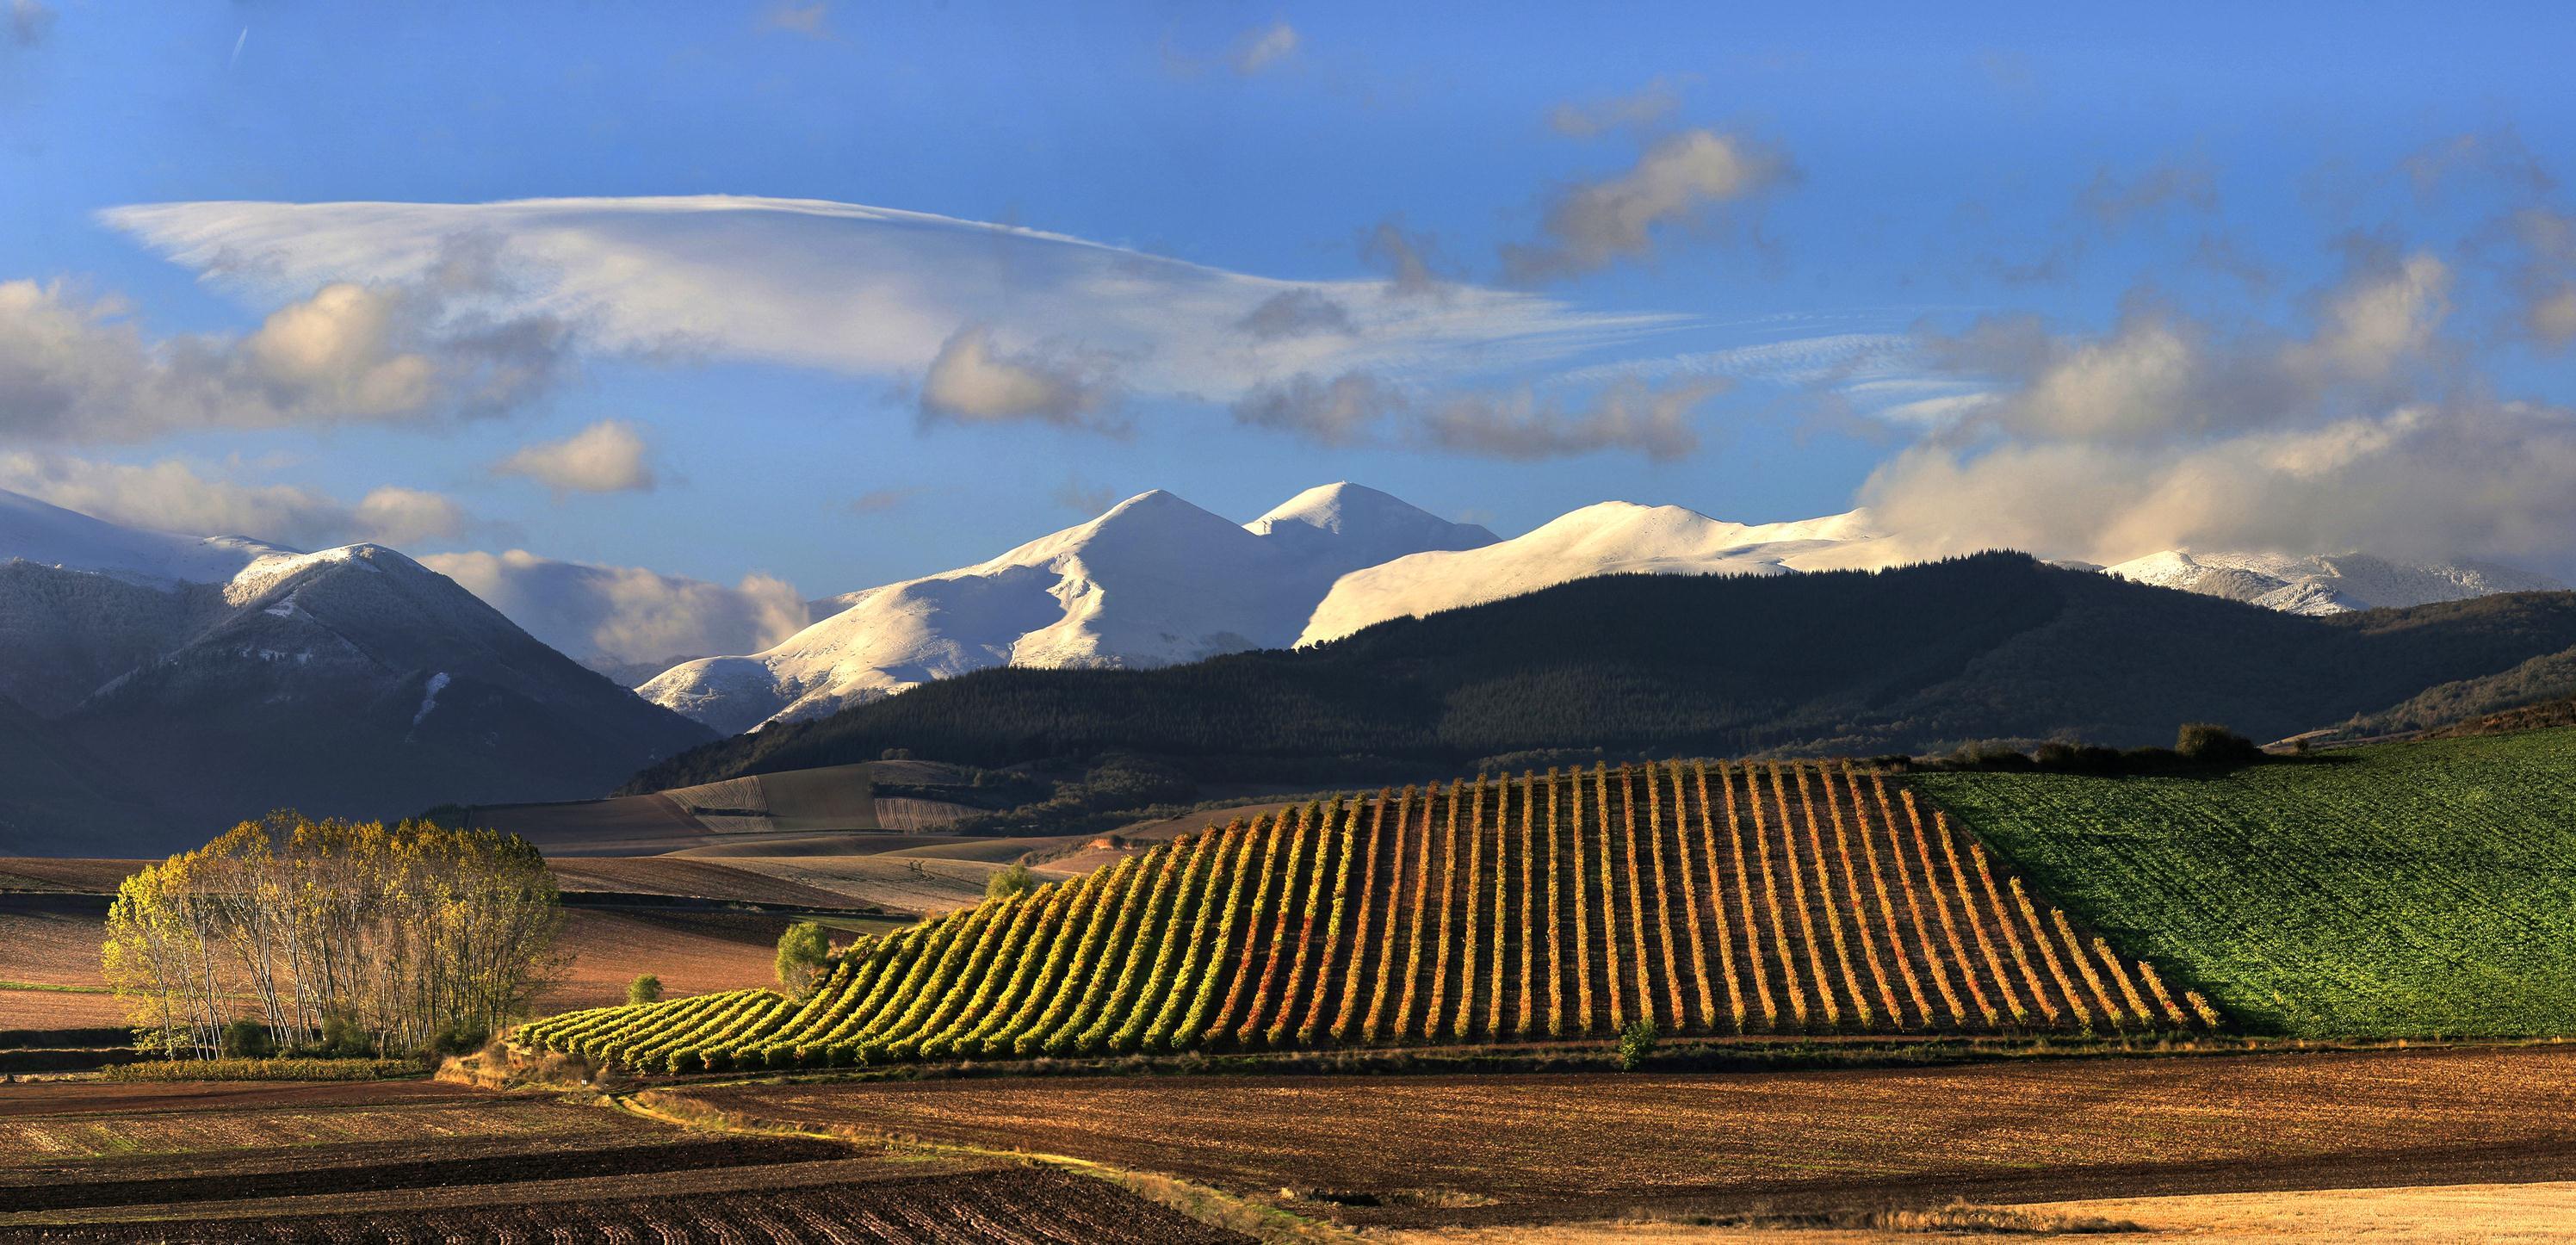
{"points": [[333, 936], [2197, 746]]}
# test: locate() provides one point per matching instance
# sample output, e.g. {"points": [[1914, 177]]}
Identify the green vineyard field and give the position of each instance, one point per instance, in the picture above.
{"points": [[1718, 899], [2402, 890]]}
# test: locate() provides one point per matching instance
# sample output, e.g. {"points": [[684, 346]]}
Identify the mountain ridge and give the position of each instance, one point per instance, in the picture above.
{"points": [[1916, 658], [1153, 581], [349, 682]]}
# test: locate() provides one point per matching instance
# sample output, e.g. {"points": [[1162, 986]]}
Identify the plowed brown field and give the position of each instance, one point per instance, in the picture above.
{"points": [[1536, 1148], [423, 1161]]}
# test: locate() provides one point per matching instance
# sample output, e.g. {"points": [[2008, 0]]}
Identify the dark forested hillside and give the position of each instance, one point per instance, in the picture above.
{"points": [[1996, 646]]}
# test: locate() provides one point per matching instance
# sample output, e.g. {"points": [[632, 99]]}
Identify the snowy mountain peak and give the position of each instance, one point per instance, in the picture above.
{"points": [[1339, 528], [50, 535], [2324, 584], [1154, 581], [1607, 538]]}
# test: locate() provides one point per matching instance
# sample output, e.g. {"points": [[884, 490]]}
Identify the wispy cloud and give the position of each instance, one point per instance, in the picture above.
{"points": [[812, 20], [882, 500], [874, 291], [179, 496], [1673, 186], [627, 614], [1521, 422], [1084, 499], [29, 22], [1264, 47], [1654, 102]]}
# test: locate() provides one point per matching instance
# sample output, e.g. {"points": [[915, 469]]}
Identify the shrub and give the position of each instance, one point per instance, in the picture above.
{"points": [[1009, 882], [646, 988], [2208, 743], [458, 1038], [343, 1039], [247, 1039], [1637, 1044], [802, 952]]}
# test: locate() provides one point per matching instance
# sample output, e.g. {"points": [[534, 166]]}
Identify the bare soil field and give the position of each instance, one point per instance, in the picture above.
{"points": [[418, 1160], [897, 881], [627, 825], [689, 878], [52, 947], [692, 952], [53, 1009], [48, 1122], [77, 876], [1543, 1148]]}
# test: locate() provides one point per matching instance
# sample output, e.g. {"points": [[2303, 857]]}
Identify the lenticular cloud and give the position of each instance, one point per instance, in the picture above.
{"points": [[868, 290]]}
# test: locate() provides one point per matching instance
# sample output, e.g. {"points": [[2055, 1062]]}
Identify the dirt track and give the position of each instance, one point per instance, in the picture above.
{"points": [[1535, 1148]]}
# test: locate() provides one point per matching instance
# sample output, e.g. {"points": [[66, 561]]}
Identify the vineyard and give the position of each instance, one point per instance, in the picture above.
{"points": [[2406, 890], [1709, 899]]}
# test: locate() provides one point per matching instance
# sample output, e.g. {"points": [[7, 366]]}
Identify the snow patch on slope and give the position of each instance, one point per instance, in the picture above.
{"points": [[2329, 584], [429, 696], [52, 536], [1611, 538]]}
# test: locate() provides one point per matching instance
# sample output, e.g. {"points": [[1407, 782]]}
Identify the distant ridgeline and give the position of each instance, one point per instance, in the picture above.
{"points": [[1780, 898], [1915, 659]]}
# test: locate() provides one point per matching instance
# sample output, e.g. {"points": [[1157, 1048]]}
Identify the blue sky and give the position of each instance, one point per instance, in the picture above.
{"points": [[2135, 246]]}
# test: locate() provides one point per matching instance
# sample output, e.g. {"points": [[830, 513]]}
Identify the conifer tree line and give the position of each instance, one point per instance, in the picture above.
{"points": [[1710, 898], [391, 937]]}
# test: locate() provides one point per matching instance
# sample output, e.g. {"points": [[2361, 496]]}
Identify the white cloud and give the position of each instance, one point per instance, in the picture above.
{"points": [[173, 496], [972, 380], [2114, 200], [1265, 46], [870, 291], [2364, 432], [1084, 499], [1676, 183], [881, 500], [1648, 105], [1521, 422], [2550, 315], [607, 457], [29, 22], [79, 369], [2476, 479], [627, 614], [810, 20]]}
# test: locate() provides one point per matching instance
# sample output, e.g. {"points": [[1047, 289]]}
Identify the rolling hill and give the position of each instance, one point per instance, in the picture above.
{"points": [[1915, 659], [2402, 890], [1804, 898]]}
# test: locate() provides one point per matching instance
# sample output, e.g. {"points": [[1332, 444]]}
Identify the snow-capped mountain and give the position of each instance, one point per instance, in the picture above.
{"points": [[206, 680], [1154, 581], [2332, 584], [1611, 538], [52, 536]]}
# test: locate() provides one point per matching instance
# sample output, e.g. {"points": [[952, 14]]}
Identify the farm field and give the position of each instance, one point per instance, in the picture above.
{"points": [[1797, 898], [2407, 889], [1547, 1148], [691, 951], [412, 1159], [812, 811]]}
